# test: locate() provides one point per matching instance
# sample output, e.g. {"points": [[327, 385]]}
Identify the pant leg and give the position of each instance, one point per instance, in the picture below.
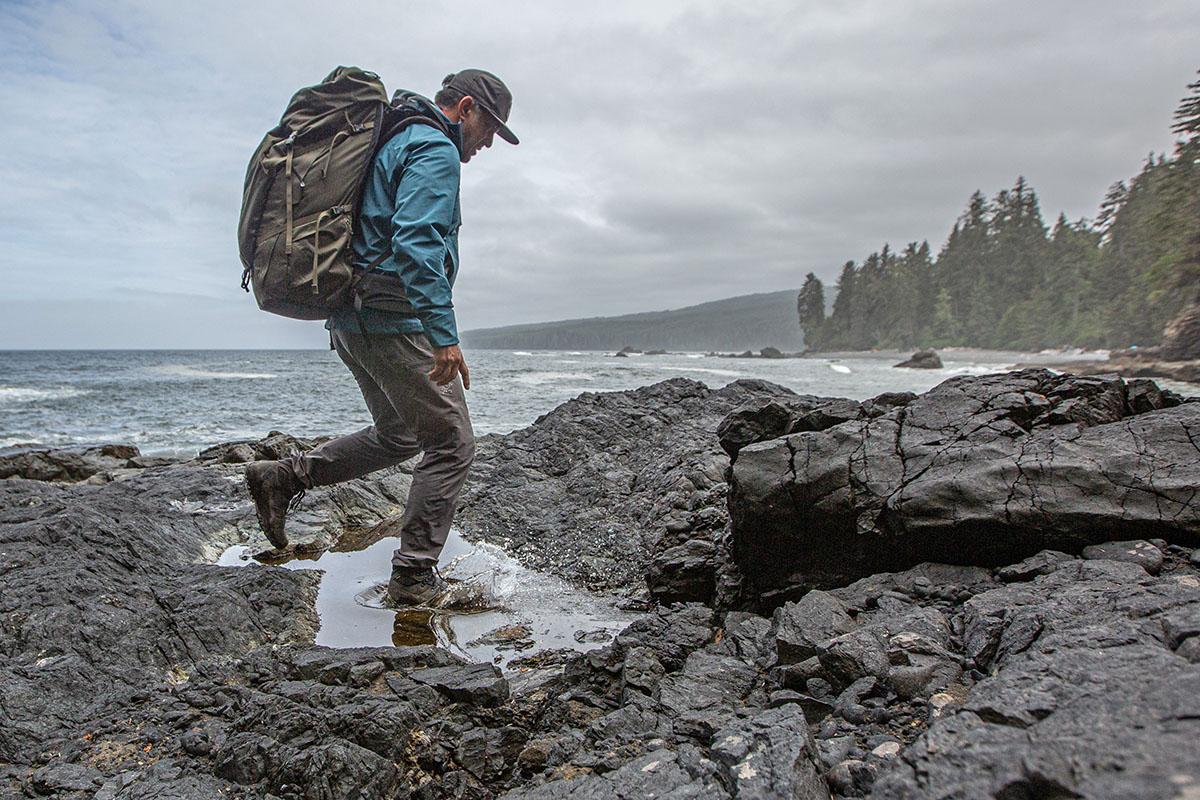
{"points": [[435, 417], [385, 444]]}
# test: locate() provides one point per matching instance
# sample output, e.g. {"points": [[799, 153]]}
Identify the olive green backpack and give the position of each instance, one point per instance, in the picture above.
{"points": [[303, 190]]}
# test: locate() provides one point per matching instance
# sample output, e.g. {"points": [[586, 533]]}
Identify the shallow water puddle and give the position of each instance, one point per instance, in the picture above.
{"points": [[532, 618]]}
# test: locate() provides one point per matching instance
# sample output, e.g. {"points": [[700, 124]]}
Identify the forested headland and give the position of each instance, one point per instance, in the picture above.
{"points": [[1005, 279]]}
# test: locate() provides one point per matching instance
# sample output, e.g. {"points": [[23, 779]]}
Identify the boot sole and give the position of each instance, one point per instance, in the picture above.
{"points": [[259, 495]]}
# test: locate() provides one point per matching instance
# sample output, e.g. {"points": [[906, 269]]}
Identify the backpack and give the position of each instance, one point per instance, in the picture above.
{"points": [[304, 187]]}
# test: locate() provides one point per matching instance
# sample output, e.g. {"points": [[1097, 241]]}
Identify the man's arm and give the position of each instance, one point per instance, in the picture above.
{"points": [[426, 196]]}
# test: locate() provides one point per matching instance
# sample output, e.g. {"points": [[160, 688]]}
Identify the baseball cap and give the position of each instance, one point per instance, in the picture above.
{"points": [[489, 92]]}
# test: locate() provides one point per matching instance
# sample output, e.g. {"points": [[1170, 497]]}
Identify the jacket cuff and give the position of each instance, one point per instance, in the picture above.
{"points": [[440, 328]]}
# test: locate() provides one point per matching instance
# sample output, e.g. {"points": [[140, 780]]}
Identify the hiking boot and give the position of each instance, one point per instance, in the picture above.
{"points": [[273, 486], [414, 586], [423, 586]]}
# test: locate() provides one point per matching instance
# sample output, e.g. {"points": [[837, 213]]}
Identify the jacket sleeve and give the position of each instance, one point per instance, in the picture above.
{"points": [[426, 196]]}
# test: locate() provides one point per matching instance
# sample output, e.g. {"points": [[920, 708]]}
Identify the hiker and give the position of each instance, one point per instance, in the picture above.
{"points": [[401, 341]]}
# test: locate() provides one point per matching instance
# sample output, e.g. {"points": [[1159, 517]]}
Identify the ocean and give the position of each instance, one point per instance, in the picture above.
{"points": [[178, 402]]}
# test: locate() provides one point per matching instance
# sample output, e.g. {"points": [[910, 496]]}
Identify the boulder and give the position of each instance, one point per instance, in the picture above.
{"points": [[922, 359], [983, 471], [594, 489], [66, 464]]}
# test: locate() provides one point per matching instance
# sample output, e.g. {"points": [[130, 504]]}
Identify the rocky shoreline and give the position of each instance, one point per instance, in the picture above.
{"points": [[988, 590]]}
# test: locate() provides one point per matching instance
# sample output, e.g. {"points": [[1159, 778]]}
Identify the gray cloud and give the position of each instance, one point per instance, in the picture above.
{"points": [[672, 152]]}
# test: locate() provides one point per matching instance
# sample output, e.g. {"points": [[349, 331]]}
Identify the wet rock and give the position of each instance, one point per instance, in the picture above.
{"points": [[65, 464], [1093, 699], [1042, 563], [769, 418], [751, 638], [705, 693], [855, 655], [922, 359], [1142, 553], [685, 573], [248, 758], [982, 471], [337, 769], [60, 777], [508, 637], [641, 670], [770, 754], [852, 778], [801, 628], [551, 493], [477, 684]]}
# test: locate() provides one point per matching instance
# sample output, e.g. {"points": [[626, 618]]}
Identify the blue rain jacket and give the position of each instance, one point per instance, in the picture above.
{"points": [[411, 207]]}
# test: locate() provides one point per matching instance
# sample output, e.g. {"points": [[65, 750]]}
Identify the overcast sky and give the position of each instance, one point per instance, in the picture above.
{"points": [[671, 152]]}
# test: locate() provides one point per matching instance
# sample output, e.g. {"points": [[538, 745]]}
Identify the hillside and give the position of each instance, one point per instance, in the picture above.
{"points": [[749, 322]]}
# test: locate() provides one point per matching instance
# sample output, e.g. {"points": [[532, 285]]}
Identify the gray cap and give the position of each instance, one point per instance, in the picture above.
{"points": [[489, 92]]}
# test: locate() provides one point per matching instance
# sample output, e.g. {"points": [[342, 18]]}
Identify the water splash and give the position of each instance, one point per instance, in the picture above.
{"points": [[533, 616]]}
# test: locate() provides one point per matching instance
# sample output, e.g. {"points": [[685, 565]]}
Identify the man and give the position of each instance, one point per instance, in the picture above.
{"points": [[401, 344]]}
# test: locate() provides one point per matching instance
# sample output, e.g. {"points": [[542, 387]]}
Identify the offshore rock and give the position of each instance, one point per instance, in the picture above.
{"points": [[922, 359], [979, 470]]}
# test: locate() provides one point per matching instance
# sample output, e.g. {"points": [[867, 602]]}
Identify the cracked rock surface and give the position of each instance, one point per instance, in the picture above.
{"points": [[979, 470]]}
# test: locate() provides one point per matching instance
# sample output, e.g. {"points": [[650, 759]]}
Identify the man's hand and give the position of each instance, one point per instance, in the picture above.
{"points": [[447, 363]]}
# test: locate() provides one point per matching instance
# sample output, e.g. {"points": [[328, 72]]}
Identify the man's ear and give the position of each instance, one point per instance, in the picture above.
{"points": [[464, 105]]}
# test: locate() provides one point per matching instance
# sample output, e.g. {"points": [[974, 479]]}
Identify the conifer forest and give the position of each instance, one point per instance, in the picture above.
{"points": [[1005, 279]]}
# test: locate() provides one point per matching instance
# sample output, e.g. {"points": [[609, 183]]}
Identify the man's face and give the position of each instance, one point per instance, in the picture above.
{"points": [[478, 128]]}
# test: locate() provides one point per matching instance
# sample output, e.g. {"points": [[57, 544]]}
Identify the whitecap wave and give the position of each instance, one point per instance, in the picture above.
{"points": [[186, 371], [540, 378], [842, 368], [12, 395], [728, 373]]}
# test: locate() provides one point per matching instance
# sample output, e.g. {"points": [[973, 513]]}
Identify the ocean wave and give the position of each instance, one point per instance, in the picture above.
{"points": [[186, 371], [539, 378], [842, 368], [11, 395], [728, 373]]}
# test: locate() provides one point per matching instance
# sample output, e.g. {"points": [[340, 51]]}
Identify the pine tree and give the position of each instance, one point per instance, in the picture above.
{"points": [[810, 306]]}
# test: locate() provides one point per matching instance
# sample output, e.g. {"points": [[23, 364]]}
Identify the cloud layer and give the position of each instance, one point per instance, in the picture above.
{"points": [[672, 152]]}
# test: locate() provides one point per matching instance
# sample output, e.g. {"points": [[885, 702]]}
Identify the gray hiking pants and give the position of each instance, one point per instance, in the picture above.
{"points": [[412, 414]]}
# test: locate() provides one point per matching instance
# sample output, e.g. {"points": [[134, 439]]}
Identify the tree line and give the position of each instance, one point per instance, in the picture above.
{"points": [[1004, 279]]}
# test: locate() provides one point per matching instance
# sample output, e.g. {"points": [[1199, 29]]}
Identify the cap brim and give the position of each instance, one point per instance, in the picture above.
{"points": [[503, 132]]}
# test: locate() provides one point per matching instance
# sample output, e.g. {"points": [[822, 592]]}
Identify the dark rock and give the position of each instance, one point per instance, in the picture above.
{"points": [[1042, 563], [852, 778], [801, 628], [770, 754], [60, 777], [248, 758], [338, 769], [1142, 553], [683, 574], [771, 352], [855, 655], [477, 684], [1094, 697], [641, 670], [922, 359], [751, 637], [65, 464], [704, 695], [602, 474], [980, 470]]}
